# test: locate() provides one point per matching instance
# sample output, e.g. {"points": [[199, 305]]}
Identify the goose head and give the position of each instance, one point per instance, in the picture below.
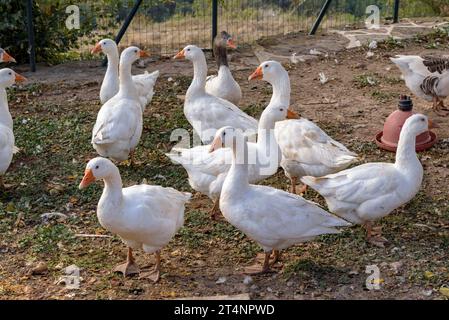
{"points": [[191, 52], [417, 124], [131, 55], [269, 71], [225, 39], [271, 115], [97, 169], [5, 57], [8, 77], [107, 46], [228, 137]]}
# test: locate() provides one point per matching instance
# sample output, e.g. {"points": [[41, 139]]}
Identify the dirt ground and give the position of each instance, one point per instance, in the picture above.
{"points": [[55, 111]]}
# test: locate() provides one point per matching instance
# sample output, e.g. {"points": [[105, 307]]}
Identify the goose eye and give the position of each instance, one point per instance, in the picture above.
{"points": [[10, 73], [281, 109], [96, 167], [422, 119], [266, 66]]}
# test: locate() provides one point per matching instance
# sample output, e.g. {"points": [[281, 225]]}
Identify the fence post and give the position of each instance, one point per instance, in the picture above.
{"points": [[396, 11], [30, 28], [125, 25], [317, 23], [214, 20]]}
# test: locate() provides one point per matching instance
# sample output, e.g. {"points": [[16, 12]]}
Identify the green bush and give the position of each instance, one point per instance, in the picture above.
{"points": [[52, 38]]}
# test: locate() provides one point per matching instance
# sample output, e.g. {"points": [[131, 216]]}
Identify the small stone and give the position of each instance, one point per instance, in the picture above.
{"points": [[40, 268], [269, 289], [247, 280], [427, 293], [290, 284], [221, 280], [396, 266]]}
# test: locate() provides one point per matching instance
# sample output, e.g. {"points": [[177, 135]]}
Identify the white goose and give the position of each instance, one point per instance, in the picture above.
{"points": [[371, 191], [207, 171], [118, 127], [223, 85], [5, 57], [144, 82], [145, 217], [426, 77], [7, 78], [207, 113], [275, 219], [306, 149]]}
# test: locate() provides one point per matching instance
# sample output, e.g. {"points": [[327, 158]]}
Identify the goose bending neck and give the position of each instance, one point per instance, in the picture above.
{"points": [[406, 154], [281, 90], [5, 115], [127, 87], [198, 85]]}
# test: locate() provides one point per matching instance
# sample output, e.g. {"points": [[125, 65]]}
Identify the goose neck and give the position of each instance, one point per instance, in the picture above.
{"points": [[221, 54], [5, 115], [112, 70], [198, 84], [112, 193], [406, 154], [127, 87], [281, 91]]}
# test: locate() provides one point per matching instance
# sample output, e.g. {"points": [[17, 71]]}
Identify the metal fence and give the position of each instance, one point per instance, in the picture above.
{"points": [[165, 26]]}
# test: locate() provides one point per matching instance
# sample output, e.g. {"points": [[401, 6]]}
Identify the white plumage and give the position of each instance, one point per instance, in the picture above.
{"points": [[273, 218], [144, 83], [207, 113], [118, 127], [371, 191], [144, 216]]}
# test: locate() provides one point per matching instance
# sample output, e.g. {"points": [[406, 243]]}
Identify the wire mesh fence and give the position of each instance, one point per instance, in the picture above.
{"points": [[164, 26]]}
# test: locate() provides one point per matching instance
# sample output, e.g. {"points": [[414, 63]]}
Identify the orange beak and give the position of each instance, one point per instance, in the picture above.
{"points": [[87, 179], [432, 124], [97, 48], [216, 144], [181, 55], [258, 74], [8, 58], [20, 78], [143, 54], [231, 44], [292, 114]]}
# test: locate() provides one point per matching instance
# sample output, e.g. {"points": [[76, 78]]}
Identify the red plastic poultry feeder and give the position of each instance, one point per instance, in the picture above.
{"points": [[389, 137]]}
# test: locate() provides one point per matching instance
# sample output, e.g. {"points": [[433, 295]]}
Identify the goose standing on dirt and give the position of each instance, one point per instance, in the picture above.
{"points": [[7, 78], [223, 85], [144, 216], [275, 219], [371, 191], [207, 170], [205, 112], [306, 149], [5, 57], [144, 82], [118, 127], [427, 77]]}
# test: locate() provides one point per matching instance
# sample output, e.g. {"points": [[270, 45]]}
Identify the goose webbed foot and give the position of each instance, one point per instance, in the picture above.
{"points": [[154, 274], [374, 235], [215, 212], [129, 267], [255, 268]]}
